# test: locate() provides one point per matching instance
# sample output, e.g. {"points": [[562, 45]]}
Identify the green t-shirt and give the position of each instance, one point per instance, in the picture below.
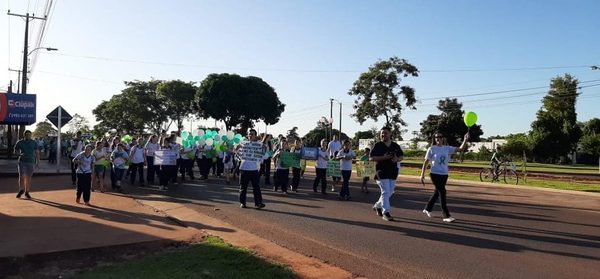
{"points": [[364, 158], [26, 150]]}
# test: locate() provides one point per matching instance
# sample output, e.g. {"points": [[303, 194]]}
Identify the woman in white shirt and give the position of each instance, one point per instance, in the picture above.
{"points": [[321, 168], [149, 149], [345, 155], [439, 156]]}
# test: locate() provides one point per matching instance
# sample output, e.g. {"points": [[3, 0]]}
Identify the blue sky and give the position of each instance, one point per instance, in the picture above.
{"points": [[310, 51]]}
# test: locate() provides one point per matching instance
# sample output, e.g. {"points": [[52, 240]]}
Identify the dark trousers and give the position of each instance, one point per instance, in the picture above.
{"points": [[295, 178], [247, 177], [265, 169], [139, 168], [439, 181], [283, 177], [152, 170], [321, 177], [166, 173], [204, 166], [185, 166], [113, 176], [345, 192], [84, 186], [73, 170]]}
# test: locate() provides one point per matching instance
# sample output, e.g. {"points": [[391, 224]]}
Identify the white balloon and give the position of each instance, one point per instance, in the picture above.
{"points": [[222, 132], [199, 132], [209, 142], [230, 135], [201, 142]]}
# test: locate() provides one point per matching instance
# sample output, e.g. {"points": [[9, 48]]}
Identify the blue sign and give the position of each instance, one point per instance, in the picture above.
{"points": [[17, 108]]}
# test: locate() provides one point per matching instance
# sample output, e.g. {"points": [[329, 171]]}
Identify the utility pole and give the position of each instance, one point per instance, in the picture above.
{"points": [[340, 132], [330, 119], [25, 55]]}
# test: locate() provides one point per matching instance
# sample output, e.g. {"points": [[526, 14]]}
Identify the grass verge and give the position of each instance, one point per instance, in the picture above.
{"points": [[211, 258]]}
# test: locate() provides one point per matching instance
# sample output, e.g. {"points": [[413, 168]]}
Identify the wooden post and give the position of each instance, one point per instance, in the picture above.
{"points": [[524, 166]]}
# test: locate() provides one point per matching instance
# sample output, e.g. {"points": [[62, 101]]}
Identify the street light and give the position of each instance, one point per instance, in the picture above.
{"points": [[331, 116], [47, 48]]}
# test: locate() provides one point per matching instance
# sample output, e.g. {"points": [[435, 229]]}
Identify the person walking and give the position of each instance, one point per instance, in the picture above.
{"points": [[29, 158], [333, 148], [346, 155], [100, 163], [248, 150], [119, 159], [138, 160], [386, 154], [77, 145], [297, 148], [282, 173], [85, 167], [365, 158], [321, 168], [439, 157], [151, 147]]}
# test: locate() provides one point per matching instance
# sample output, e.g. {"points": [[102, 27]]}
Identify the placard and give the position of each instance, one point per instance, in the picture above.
{"points": [[290, 159], [365, 169], [333, 168], [252, 151], [165, 157], [310, 153]]}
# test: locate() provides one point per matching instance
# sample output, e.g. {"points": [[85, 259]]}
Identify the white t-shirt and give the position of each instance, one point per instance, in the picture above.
{"points": [[85, 162], [137, 154], [151, 148], [440, 157], [333, 147], [99, 155], [77, 148], [322, 159], [346, 164]]}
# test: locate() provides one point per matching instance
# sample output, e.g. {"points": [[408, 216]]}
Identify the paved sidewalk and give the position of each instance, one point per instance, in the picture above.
{"points": [[8, 168], [52, 221]]}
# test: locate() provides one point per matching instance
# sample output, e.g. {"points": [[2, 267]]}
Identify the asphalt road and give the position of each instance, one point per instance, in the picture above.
{"points": [[500, 232]]}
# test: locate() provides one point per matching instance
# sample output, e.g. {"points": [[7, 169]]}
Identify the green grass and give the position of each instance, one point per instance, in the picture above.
{"points": [[535, 167], [534, 182], [211, 258]]}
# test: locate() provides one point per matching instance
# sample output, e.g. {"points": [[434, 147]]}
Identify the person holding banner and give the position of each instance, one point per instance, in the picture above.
{"points": [[346, 155], [251, 152], [386, 154], [321, 168], [439, 156], [167, 163], [282, 173]]}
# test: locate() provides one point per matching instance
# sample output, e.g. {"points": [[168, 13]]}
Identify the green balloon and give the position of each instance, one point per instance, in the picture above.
{"points": [[470, 118], [196, 138], [184, 134], [237, 140], [224, 138], [237, 136]]}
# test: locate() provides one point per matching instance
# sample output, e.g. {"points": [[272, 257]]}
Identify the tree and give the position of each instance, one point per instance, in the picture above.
{"points": [[368, 134], [137, 109], [78, 123], [42, 129], [378, 93], [450, 123], [555, 132], [177, 98], [314, 136], [238, 101], [292, 133], [517, 144], [590, 141]]}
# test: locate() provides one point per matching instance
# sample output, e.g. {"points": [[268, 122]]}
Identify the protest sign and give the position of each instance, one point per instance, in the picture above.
{"points": [[165, 157], [252, 151], [333, 168], [290, 159], [310, 153], [365, 169]]}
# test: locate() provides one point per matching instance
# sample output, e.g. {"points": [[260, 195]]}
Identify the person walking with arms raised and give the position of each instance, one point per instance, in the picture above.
{"points": [[29, 158], [386, 154], [439, 157]]}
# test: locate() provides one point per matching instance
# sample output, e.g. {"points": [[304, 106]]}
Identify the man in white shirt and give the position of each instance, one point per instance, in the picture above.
{"points": [[77, 145], [333, 148], [251, 152]]}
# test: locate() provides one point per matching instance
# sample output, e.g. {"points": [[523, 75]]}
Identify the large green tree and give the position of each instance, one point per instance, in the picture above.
{"points": [[137, 109], [555, 132], [590, 141], [42, 129], [176, 97], [313, 137], [517, 144], [379, 93], [450, 123], [238, 101]]}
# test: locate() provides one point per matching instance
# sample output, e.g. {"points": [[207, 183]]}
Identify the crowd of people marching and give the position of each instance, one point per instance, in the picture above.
{"points": [[133, 160]]}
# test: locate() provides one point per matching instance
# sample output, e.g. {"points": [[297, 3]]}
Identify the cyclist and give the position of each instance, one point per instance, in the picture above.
{"points": [[496, 161]]}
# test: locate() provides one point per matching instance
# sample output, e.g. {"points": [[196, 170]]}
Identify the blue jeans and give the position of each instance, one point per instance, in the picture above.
{"points": [[345, 192]]}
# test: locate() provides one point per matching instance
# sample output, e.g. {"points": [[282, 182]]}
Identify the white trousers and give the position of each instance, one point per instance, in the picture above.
{"points": [[387, 189]]}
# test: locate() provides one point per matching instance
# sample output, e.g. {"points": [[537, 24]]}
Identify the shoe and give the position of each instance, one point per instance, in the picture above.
{"points": [[27, 195], [260, 205], [242, 205], [428, 213], [332, 189], [448, 220], [88, 204], [378, 211], [387, 217], [20, 194]]}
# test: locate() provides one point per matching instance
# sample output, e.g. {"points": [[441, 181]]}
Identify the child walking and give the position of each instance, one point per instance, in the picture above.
{"points": [[85, 165]]}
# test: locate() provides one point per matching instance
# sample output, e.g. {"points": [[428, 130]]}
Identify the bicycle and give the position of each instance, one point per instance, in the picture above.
{"points": [[507, 170]]}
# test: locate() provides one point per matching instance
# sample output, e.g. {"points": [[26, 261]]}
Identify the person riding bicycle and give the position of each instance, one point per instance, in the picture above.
{"points": [[496, 161]]}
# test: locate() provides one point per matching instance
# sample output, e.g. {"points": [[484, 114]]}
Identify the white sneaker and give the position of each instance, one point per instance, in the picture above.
{"points": [[428, 213], [448, 220]]}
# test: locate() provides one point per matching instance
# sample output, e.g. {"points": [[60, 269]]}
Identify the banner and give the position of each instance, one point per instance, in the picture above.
{"points": [[165, 157], [310, 153], [365, 169], [252, 151], [333, 168], [290, 159], [17, 108]]}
